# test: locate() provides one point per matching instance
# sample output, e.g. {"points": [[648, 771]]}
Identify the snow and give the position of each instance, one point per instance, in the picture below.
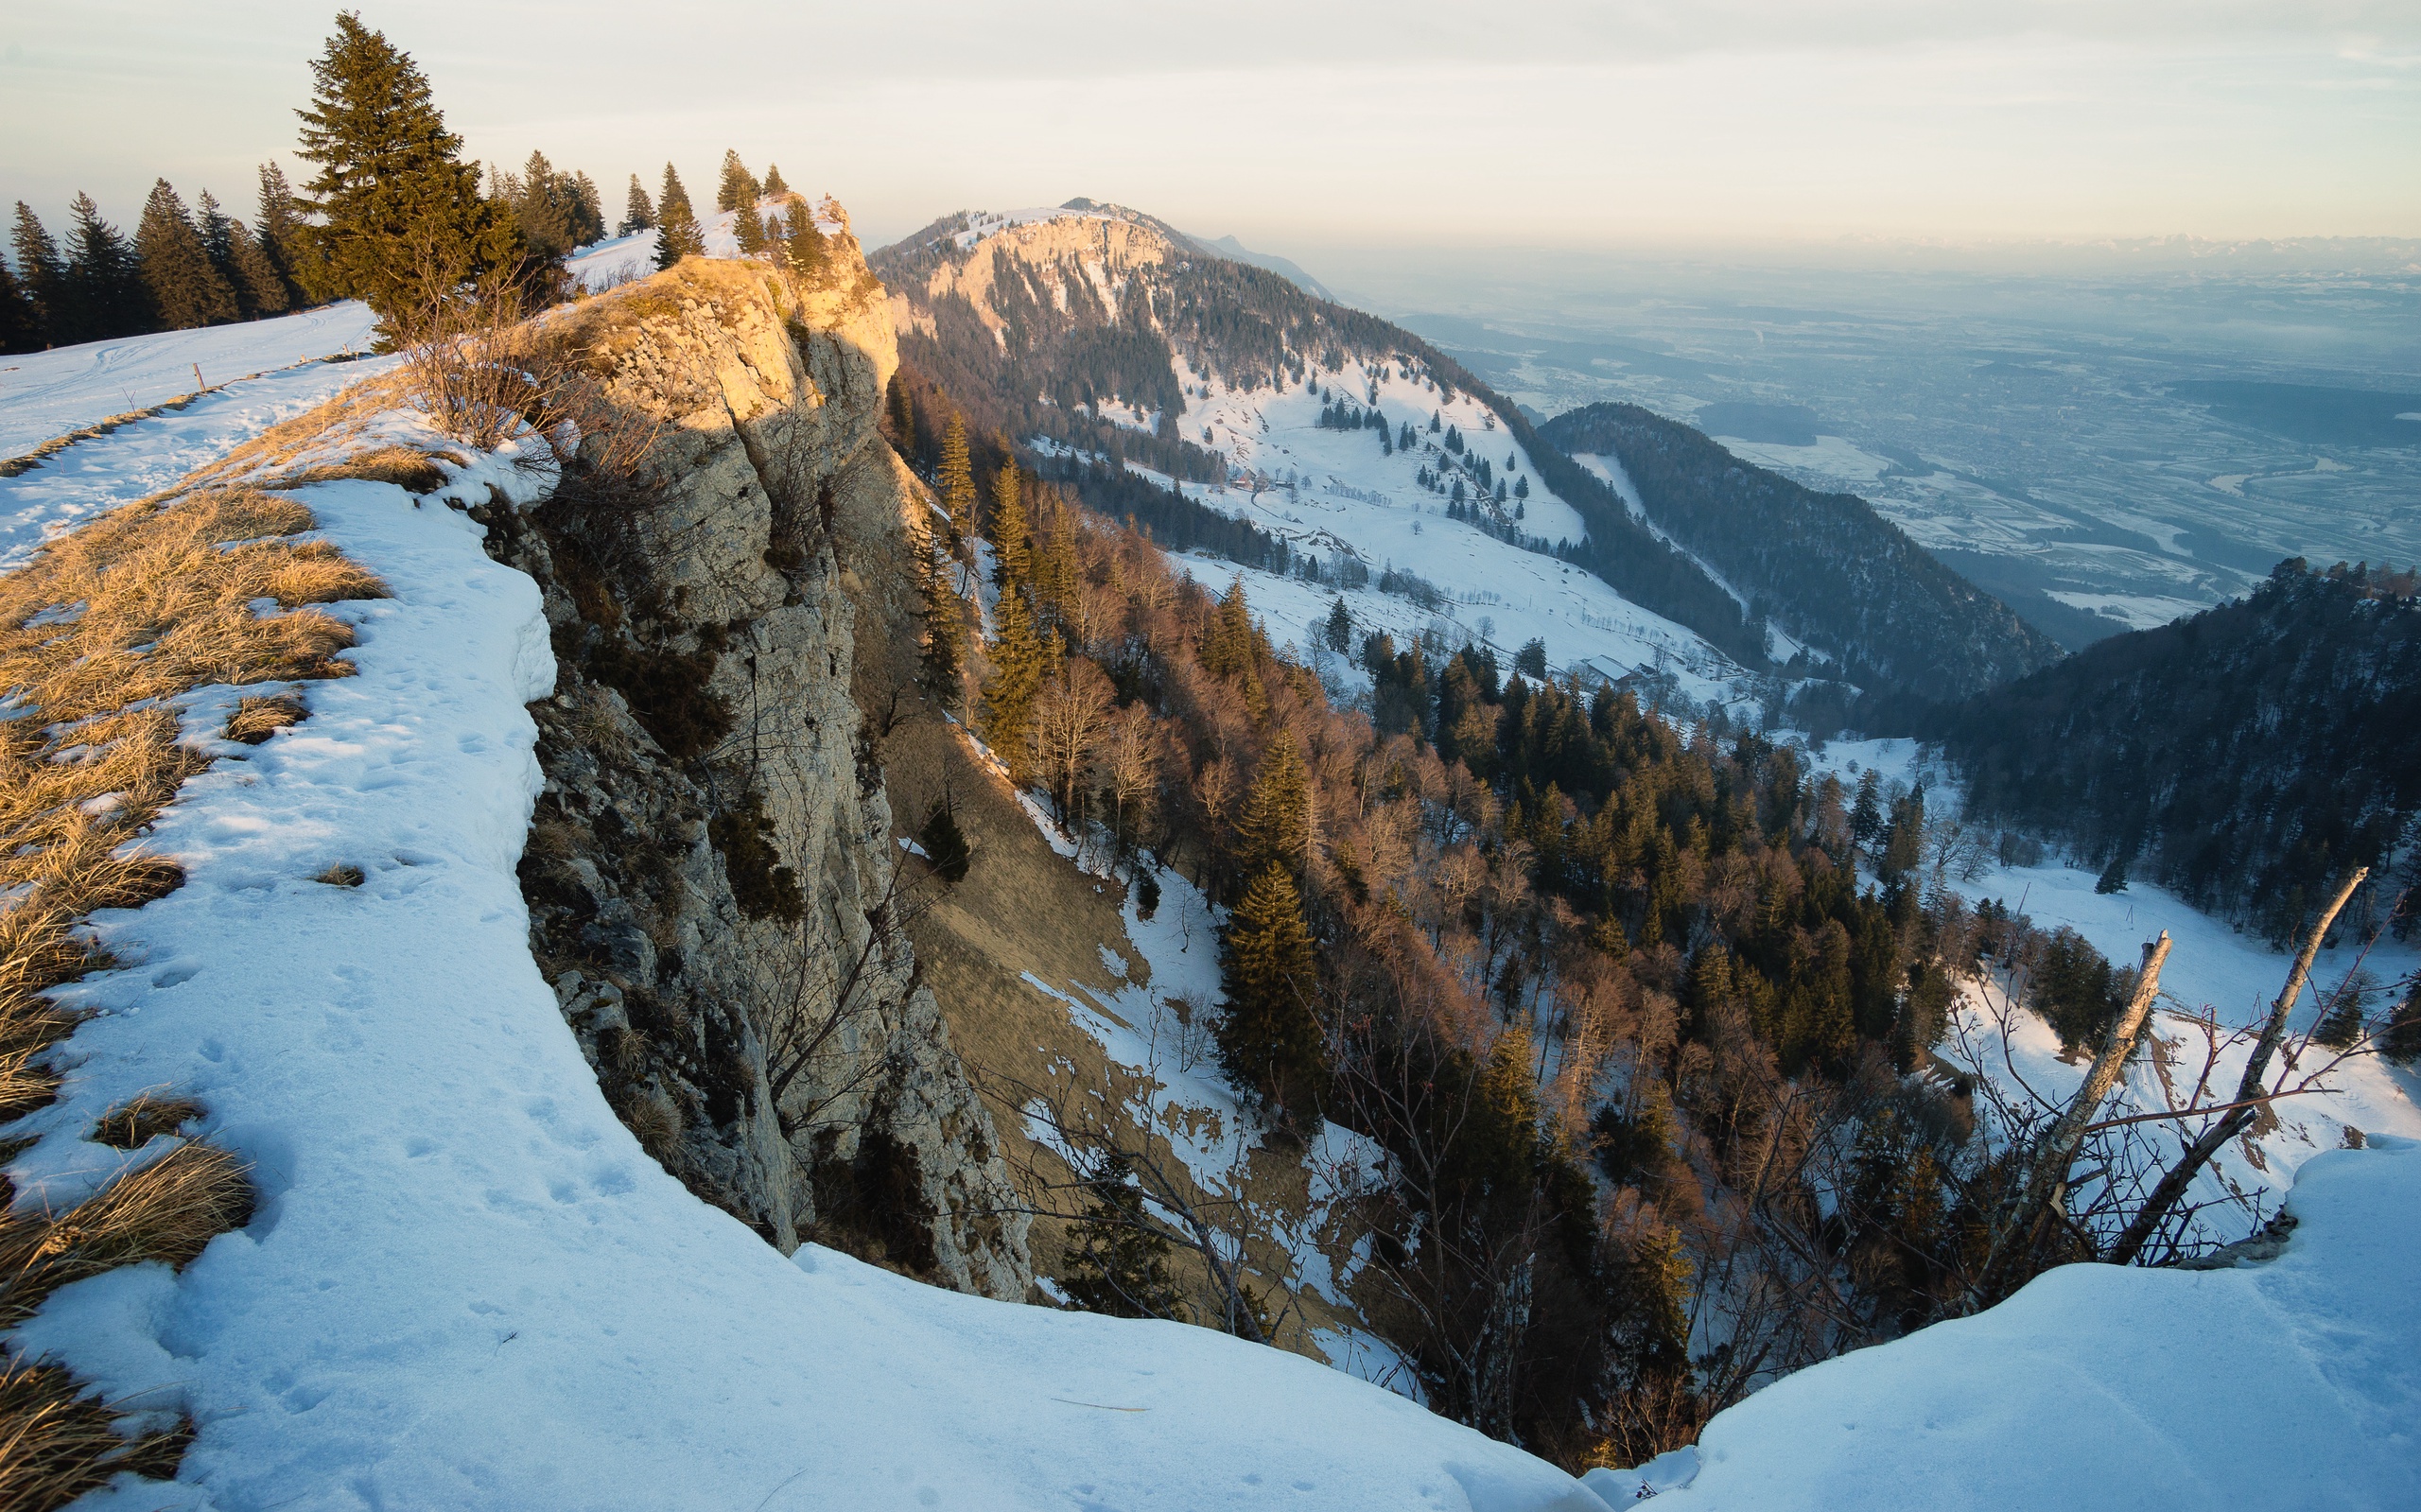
{"points": [[465, 1285], [46, 395], [2285, 1384], [1346, 493], [146, 456], [2212, 969], [620, 260]]}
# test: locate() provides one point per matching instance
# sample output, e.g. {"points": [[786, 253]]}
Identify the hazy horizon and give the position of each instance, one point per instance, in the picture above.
{"points": [[1810, 129]]}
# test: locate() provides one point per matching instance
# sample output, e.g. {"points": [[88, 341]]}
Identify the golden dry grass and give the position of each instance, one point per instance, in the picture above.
{"points": [[100, 634], [134, 1124], [166, 1211]]}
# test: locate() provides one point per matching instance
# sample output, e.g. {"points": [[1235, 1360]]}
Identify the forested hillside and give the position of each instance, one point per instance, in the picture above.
{"points": [[2246, 756], [1825, 566], [1075, 344]]}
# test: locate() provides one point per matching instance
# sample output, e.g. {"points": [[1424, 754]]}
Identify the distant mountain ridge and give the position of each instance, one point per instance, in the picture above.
{"points": [[1827, 567], [1030, 323], [2244, 758]]}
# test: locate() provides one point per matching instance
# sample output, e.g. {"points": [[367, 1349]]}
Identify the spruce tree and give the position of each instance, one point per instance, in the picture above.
{"points": [[638, 214], [1020, 665], [748, 228], [1226, 646], [41, 272], [588, 210], [547, 207], [1012, 553], [186, 290], [20, 322], [258, 289], [775, 188], [1269, 1040], [1119, 1265], [402, 219], [105, 293], [802, 241], [1338, 630], [2401, 1041], [1274, 829], [957, 475], [278, 227], [677, 232], [2113, 876], [942, 668], [736, 189]]}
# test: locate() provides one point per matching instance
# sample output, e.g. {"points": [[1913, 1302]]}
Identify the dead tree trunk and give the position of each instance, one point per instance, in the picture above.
{"points": [[2249, 1092], [2047, 1172]]}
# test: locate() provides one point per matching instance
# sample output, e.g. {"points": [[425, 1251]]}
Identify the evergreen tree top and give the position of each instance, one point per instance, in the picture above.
{"points": [[372, 117]]}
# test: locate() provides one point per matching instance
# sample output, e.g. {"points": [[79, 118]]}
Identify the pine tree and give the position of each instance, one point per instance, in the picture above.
{"points": [[42, 272], [547, 206], [1012, 551], [1020, 665], [278, 227], [638, 214], [1274, 829], [588, 210], [186, 290], [1338, 630], [748, 228], [942, 668], [775, 188], [802, 241], [677, 232], [1226, 646], [737, 189], [105, 294], [238, 259], [20, 322], [2113, 876], [1269, 1040], [957, 475], [2344, 1011], [1119, 1265], [1866, 816], [403, 221]]}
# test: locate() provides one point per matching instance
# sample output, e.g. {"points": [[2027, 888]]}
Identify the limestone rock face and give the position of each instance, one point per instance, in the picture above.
{"points": [[708, 876]]}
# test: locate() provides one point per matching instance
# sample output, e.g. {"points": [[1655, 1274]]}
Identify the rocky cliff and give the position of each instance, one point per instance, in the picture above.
{"points": [[711, 888]]}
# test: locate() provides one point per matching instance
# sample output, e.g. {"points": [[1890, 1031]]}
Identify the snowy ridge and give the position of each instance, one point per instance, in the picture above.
{"points": [[466, 1286], [620, 260]]}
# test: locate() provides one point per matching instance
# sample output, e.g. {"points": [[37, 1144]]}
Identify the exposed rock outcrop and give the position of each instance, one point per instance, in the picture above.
{"points": [[709, 879]]}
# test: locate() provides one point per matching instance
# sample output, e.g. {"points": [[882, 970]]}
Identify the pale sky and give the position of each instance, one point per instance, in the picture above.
{"points": [[1299, 126]]}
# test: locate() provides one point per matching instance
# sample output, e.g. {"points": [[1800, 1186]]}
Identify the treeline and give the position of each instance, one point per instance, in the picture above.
{"points": [[392, 216], [1835, 574], [183, 266], [2244, 758], [1610, 992], [1063, 344]]}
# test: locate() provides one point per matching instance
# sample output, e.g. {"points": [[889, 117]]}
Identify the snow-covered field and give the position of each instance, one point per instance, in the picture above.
{"points": [[44, 394]]}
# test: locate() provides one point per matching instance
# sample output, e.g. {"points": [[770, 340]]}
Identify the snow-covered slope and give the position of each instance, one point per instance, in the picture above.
{"points": [[2290, 1383], [1321, 487], [44, 394], [466, 1285]]}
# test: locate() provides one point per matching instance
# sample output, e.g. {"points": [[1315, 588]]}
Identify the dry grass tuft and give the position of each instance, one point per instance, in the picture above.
{"points": [[412, 471], [262, 715], [343, 874], [99, 635], [132, 1125], [55, 1443], [166, 1211]]}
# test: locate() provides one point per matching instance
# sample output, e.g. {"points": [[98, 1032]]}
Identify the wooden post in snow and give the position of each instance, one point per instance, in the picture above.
{"points": [[2250, 1091], [2047, 1170]]}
